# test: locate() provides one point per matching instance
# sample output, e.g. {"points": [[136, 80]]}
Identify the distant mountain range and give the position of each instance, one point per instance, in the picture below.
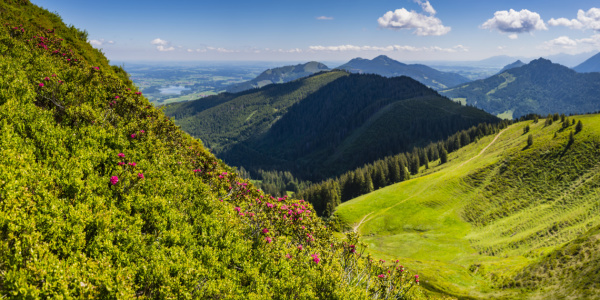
{"points": [[325, 124], [385, 66], [279, 75], [590, 65], [516, 64], [540, 87]]}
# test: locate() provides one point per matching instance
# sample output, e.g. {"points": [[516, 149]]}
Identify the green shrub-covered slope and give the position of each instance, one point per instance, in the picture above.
{"points": [[102, 196], [512, 216]]}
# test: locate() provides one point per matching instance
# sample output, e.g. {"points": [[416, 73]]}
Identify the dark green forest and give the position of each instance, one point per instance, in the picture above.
{"points": [[323, 125]]}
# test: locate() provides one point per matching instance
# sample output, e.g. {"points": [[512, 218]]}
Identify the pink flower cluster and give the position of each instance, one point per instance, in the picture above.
{"points": [[316, 258]]}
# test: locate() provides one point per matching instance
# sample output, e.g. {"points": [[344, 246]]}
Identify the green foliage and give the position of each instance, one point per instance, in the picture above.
{"points": [[529, 140], [578, 127], [539, 87], [103, 197], [526, 129]]}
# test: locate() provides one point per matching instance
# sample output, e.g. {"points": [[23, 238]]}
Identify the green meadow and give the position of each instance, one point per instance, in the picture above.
{"points": [[473, 226]]}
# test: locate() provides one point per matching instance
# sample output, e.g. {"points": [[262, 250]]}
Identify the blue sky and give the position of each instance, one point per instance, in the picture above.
{"points": [[326, 30]]}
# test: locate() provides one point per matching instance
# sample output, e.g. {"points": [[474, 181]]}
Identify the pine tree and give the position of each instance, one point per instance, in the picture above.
{"points": [[579, 126], [367, 185], [530, 140], [443, 156], [414, 164], [571, 138], [526, 129]]}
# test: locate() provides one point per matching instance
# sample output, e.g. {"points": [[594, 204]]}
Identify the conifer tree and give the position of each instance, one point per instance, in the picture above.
{"points": [[526, 129], [579, 126], [529, 140], [571, 138], [367, 185], [443, 156]]}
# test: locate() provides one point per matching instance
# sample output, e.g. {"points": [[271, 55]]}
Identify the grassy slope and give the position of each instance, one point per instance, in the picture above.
{"points": [[495, 214], [103, 197]]}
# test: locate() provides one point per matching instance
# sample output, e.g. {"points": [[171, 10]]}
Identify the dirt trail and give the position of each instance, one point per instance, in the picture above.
{"points": [[483, 150], [361, 221], [355, 228]]}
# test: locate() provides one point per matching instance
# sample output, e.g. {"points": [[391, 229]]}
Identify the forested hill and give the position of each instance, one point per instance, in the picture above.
{"points": [[324, 125], [540, 87], [103, 197], [385, 66], [279, 75]]}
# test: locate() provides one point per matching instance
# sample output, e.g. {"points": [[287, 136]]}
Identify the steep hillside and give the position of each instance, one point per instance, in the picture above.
{"points": [[323, 125], [279, 75], [592, 64], [103, 197], [493, 219], [385, 66], [539, 87]]}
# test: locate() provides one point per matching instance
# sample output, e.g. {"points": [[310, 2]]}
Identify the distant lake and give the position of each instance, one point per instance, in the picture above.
{"points": [[173, 89]]}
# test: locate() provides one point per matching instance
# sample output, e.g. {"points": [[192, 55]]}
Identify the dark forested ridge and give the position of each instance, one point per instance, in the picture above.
{"points": [[279, 75], [340, 122], [539, 87], [385, 66]]}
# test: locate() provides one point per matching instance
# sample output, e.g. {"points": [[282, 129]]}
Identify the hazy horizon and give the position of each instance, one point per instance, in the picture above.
{"points": [[405, 30]]}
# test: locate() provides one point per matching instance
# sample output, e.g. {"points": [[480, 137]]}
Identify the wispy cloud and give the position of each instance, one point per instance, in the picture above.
{"points": [[426, 6], [344, 48], [563, 43], [324, 18], [100, 42], [515, 22], [422, 24], [585, 20], [161, 45]]}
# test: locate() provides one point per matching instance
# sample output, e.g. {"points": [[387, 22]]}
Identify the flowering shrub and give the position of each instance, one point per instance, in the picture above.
{"points": [[102, 196]]}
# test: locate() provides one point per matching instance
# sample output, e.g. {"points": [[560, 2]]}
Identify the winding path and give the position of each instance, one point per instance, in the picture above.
{"points": [[357, 226]]}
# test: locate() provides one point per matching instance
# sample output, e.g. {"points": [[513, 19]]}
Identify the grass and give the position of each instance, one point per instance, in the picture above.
{"points": [[476, 221]]}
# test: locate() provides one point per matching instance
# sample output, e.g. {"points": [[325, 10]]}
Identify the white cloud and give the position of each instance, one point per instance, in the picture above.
{"points": [[566, 44], [96, 42], [404, 19], [325, 18], [426, 6], [594, 41], [405, 48], [563, 41], [515, 22], [513, 36], [159, 42], [161, 45], [100, 42], [585, 20], [162, 48], [190, 50]]}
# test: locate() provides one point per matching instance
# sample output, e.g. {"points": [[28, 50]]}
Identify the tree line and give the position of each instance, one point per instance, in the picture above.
{"points": [[327, 195]]}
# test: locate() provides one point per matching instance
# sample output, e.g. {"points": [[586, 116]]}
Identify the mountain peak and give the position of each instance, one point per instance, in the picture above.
{"points": [[540, 60], [592, 64]]}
